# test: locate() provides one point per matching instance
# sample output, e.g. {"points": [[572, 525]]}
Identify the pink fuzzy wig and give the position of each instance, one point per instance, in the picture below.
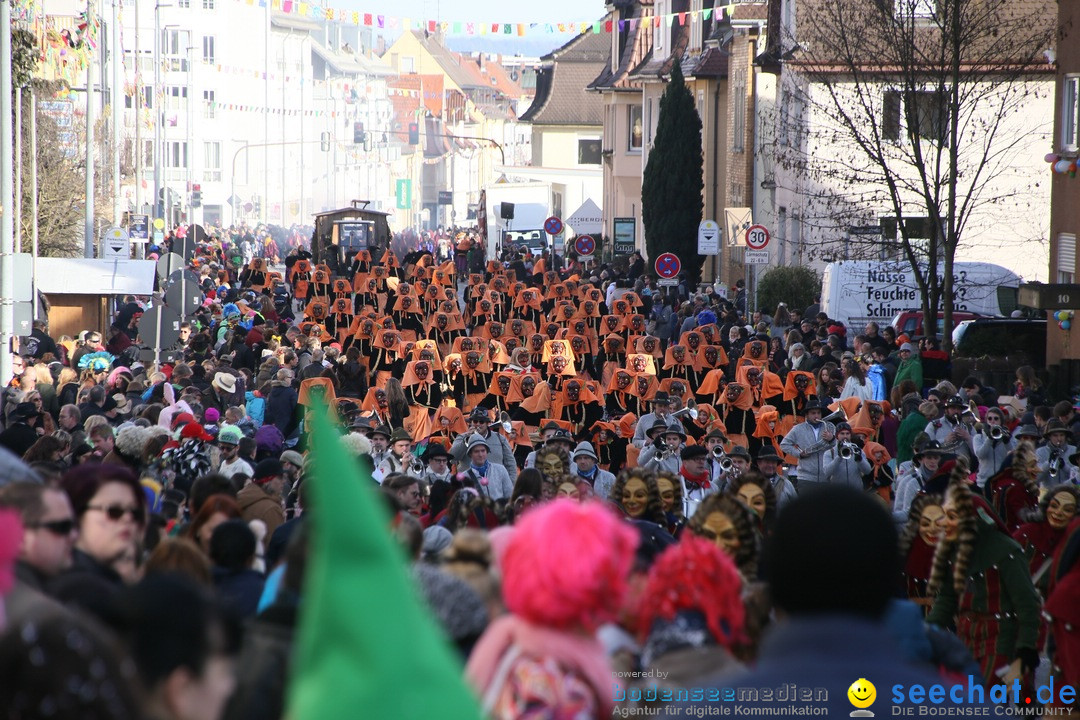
{"points": [[694, 574], [567, 565]]}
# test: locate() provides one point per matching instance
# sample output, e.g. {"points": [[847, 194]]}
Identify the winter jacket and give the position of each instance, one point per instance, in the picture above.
{"points": [[802, 437], [499, 452], [651, 460], [848, 472], [910, 369], [256, 408], [257, 504], [991, 454], [498, 485], [910, 427], [875, 375], [281, 409], [239, 590]]}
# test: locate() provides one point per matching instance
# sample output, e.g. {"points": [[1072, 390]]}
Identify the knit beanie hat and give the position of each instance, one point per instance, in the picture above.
{"points": [[814, 568]]}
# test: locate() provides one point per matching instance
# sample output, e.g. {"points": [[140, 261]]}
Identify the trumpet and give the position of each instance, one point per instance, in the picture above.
{"points": [[847, 450], [503, 424], [416, 465], [1054, 468], [998, 433], [690, 409]]}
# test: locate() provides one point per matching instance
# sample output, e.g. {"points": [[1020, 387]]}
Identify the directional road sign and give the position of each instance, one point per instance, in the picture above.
{"points": [[757, 237], [668, 266], [585, 245], [553, 225]]}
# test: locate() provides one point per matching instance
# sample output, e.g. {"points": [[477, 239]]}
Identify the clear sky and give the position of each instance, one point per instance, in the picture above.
{"points": [[513, 11]]}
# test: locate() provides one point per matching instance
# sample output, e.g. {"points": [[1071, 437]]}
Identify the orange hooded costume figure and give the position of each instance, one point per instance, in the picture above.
{"points": [[737, 412], [420, 387], [798, 388], [765, 386], [620, 392]]}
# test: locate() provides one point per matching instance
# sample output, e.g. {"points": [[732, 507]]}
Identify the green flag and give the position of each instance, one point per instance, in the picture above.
{"points": [[366, 646]]}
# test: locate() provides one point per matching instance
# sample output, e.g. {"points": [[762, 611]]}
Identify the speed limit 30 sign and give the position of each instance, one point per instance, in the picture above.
{"points": [[757, 237]]}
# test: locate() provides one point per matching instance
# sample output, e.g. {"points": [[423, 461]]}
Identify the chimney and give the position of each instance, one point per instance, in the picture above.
{"points": [[480, 58], [380, 46]]}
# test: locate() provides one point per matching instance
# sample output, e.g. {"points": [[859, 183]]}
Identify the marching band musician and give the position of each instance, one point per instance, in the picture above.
{"points": [[846, 464], [809, 442], [1053, 457], [663, 452], [992, 444], [953, 430]]}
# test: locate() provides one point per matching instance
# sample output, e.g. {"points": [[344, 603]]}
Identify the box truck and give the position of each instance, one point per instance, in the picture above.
{"points": [[860, 291]]}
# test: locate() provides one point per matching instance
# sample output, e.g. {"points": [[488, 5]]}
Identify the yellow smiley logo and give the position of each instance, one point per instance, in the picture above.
{"points": [[862, 693]]}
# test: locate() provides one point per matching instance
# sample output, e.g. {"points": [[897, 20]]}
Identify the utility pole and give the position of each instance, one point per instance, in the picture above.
{"points": [[33, 198], [7, 226], [116, 55], [156, 107], [91, 119], [18, 169]]}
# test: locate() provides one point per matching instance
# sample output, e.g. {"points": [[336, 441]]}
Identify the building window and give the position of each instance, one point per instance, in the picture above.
{"points": [[408, 64], [1070, 112], [660, 33], [208, 49], [738, 110], [174, 42], [781, 236], [183, 3], [211, 161], [785, 116], [932, 115], [207, 4], [175, 155], [209, 106], [648, 121], [635, 129], [1066, 258], [589, 151], [890, 116], [176, 97]]}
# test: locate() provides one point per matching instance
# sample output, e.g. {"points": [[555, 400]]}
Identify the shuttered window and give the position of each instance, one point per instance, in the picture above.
{"points": [[1066, 257]]}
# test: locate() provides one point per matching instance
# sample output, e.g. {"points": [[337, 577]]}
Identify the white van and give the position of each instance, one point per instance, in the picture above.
{"points": [[860, 291]]}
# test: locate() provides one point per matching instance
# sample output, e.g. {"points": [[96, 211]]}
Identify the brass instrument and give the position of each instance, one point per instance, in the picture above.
{"points": [[847, 450], [1054, 468], [721, 458], [998, 433], [503, 423], [839, 416], [690, 409]]}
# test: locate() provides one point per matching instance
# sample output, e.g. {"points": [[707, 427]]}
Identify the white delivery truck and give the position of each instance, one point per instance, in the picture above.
{"points": [[860, 291], [531, 203]]}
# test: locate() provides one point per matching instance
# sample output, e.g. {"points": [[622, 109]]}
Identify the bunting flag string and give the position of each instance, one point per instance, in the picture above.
{"points": [[513, 29]]}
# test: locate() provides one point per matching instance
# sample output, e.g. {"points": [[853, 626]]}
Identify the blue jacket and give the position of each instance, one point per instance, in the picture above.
{"points": [[876, 375], [256, 406], [824, 655]]}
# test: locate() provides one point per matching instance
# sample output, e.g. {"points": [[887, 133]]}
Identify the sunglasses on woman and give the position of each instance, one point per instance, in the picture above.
{"points": [[116, 512]]}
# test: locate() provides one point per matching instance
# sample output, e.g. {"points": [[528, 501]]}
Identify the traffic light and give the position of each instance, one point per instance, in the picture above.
{"points": [[196, 195], [414, 134], [258, 205], [324, 142], [358, 134]]}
